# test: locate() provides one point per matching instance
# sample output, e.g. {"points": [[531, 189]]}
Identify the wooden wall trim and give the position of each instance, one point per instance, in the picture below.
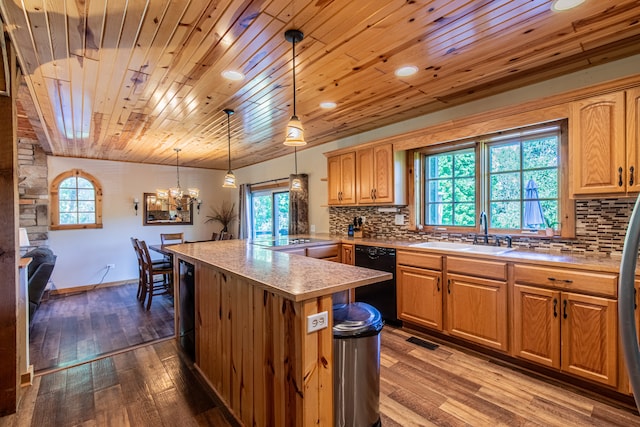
{"points": [[9, 252], [537, 111]]}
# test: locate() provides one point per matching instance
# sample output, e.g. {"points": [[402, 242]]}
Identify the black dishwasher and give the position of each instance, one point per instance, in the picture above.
{"points": [[381, 295]]}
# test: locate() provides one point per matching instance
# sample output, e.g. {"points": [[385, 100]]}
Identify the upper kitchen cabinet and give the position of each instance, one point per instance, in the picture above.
{"points": [[341, 179], [633, 139], [372, 175], [603, 157]]}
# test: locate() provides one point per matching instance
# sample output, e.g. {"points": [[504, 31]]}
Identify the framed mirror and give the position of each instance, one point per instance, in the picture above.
{"points": [[166, 211]]}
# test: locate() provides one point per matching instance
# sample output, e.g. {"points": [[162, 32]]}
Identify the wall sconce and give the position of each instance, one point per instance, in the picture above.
{"points": [[135, 205], [198, 203]]}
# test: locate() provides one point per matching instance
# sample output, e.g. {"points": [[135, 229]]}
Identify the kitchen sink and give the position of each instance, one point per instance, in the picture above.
{"points": [[464, 247]]}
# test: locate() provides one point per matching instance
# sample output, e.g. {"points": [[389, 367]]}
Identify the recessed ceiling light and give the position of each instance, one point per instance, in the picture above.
{"points": [[408, 70], [328, 105], [232, 75], [560, 5]]}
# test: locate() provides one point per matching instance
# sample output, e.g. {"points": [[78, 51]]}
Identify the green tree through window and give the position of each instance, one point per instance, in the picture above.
{"points": [[450, 188], [270, 213], [518, 174]]}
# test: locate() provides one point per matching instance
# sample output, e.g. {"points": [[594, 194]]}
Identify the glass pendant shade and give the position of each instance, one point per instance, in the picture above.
{"points": [[229, 180], [176, 192], [295, 133], [193, 193], [162, 194], [296, 185]]}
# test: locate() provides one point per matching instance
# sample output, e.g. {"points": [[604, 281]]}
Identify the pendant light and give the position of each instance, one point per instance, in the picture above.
{"points": [[295, 132], [176, 193], [296, 184], [229, 178]]}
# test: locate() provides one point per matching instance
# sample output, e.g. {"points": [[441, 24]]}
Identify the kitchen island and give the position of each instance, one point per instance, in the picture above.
{"points": [[252, 345]]}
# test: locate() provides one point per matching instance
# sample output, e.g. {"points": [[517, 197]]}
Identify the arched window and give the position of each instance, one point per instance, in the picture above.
{"points": [[76, 201]]}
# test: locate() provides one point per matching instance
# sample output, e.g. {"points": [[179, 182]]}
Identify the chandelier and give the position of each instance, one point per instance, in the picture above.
{"points": [[176, 193]]}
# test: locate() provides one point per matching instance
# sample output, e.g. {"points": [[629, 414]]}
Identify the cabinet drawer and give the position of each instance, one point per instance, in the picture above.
{"points": [[325, 251], [572, 280], [476, 267], [417, 259]]}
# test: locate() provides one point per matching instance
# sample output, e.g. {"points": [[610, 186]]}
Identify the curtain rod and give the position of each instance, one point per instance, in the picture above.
{"points": [[270, 180]]}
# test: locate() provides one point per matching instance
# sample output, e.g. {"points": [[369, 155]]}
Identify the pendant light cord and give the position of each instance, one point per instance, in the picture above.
{"points": [[295, 158], [294, 76], [229, 138], [177, 165]]}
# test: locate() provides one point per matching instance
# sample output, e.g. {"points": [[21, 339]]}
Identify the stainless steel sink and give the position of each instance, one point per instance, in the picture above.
{"points": [[463, 247]]}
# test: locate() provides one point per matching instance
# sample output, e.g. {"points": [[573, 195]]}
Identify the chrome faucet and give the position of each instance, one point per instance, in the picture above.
{"points": [[485, 227]]}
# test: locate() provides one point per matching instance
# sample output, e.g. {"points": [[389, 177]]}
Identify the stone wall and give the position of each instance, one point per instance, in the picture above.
{"points": [[600, 227], [33, 187]]}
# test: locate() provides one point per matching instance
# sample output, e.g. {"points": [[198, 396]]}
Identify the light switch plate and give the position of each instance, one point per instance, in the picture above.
{"points": [[317, 321], [399, 219]]}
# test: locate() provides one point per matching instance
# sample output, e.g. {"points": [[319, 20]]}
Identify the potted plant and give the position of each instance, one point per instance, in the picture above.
{"points": [[225, 215]]}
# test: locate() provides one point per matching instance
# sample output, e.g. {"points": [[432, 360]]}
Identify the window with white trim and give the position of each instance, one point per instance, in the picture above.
{"points": [[76, 201]]}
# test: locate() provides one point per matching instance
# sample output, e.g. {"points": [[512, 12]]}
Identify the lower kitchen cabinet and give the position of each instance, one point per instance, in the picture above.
{"points": [[420, 296], [590, 337], [536, 325], [346, 254], [565, 330], [477, 310]]}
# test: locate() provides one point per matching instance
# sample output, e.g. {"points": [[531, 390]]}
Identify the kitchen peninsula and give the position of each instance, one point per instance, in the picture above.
{"points": [[252, 345]]}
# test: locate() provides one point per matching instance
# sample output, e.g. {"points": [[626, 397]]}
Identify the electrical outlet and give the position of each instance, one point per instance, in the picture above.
{"points": [[364, 219], [111, 266], [317, 321], [399, 219], [312, 228]]}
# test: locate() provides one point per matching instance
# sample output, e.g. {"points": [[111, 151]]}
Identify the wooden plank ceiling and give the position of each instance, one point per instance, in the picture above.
{"points": [[130, 80]]}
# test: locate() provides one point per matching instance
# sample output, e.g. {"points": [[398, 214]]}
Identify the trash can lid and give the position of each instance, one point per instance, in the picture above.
{"points": [[356, 319]]}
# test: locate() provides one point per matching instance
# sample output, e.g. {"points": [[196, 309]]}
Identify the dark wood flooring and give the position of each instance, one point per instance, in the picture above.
{"points": [[73, 328], [152, 385]]}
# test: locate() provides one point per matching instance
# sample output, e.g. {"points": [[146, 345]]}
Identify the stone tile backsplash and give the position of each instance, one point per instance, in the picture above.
{"points": [[600, 227]]}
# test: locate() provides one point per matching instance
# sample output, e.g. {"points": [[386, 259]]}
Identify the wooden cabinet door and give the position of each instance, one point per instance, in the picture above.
{"points": [[419, 294], [383, 184], [341, 175], [365, 171], [597, 144], [477, 310], [346, 254], [375, 174], [348, 178], [633, 140], [536, 325], [334, 179], [590, 337]]}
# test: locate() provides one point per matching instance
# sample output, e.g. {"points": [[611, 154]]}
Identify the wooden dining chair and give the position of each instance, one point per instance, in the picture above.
{"points": [[171, 238], [215, 236], [225, 236], [152, 286], [141, 290]]}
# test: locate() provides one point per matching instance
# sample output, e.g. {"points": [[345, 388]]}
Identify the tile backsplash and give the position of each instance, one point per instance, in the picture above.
{"points": [[600, 227]]}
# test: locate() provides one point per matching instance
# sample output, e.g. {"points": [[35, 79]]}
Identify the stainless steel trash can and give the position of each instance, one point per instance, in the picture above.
{"points": [[356, 373]]}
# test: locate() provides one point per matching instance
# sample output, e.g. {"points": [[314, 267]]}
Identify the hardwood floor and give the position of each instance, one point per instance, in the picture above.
{"points": [[152, 386], [149, 386], [73, 328], [448, 387]]}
